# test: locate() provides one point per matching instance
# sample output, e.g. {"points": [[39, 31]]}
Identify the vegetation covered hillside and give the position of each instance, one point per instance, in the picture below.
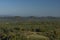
{"points": [[29, 28]]}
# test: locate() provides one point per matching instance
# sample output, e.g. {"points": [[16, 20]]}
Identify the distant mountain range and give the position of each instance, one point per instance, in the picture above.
{"points": [[34, 17]]}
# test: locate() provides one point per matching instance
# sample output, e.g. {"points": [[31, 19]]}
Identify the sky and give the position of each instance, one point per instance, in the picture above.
{"points": [[30, 7]]}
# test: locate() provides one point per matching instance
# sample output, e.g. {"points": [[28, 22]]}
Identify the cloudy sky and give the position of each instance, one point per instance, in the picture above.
{"points": [[30, 7]]}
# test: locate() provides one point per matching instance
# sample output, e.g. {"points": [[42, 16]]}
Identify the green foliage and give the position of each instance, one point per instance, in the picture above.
{"points": [[20, 30]]}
